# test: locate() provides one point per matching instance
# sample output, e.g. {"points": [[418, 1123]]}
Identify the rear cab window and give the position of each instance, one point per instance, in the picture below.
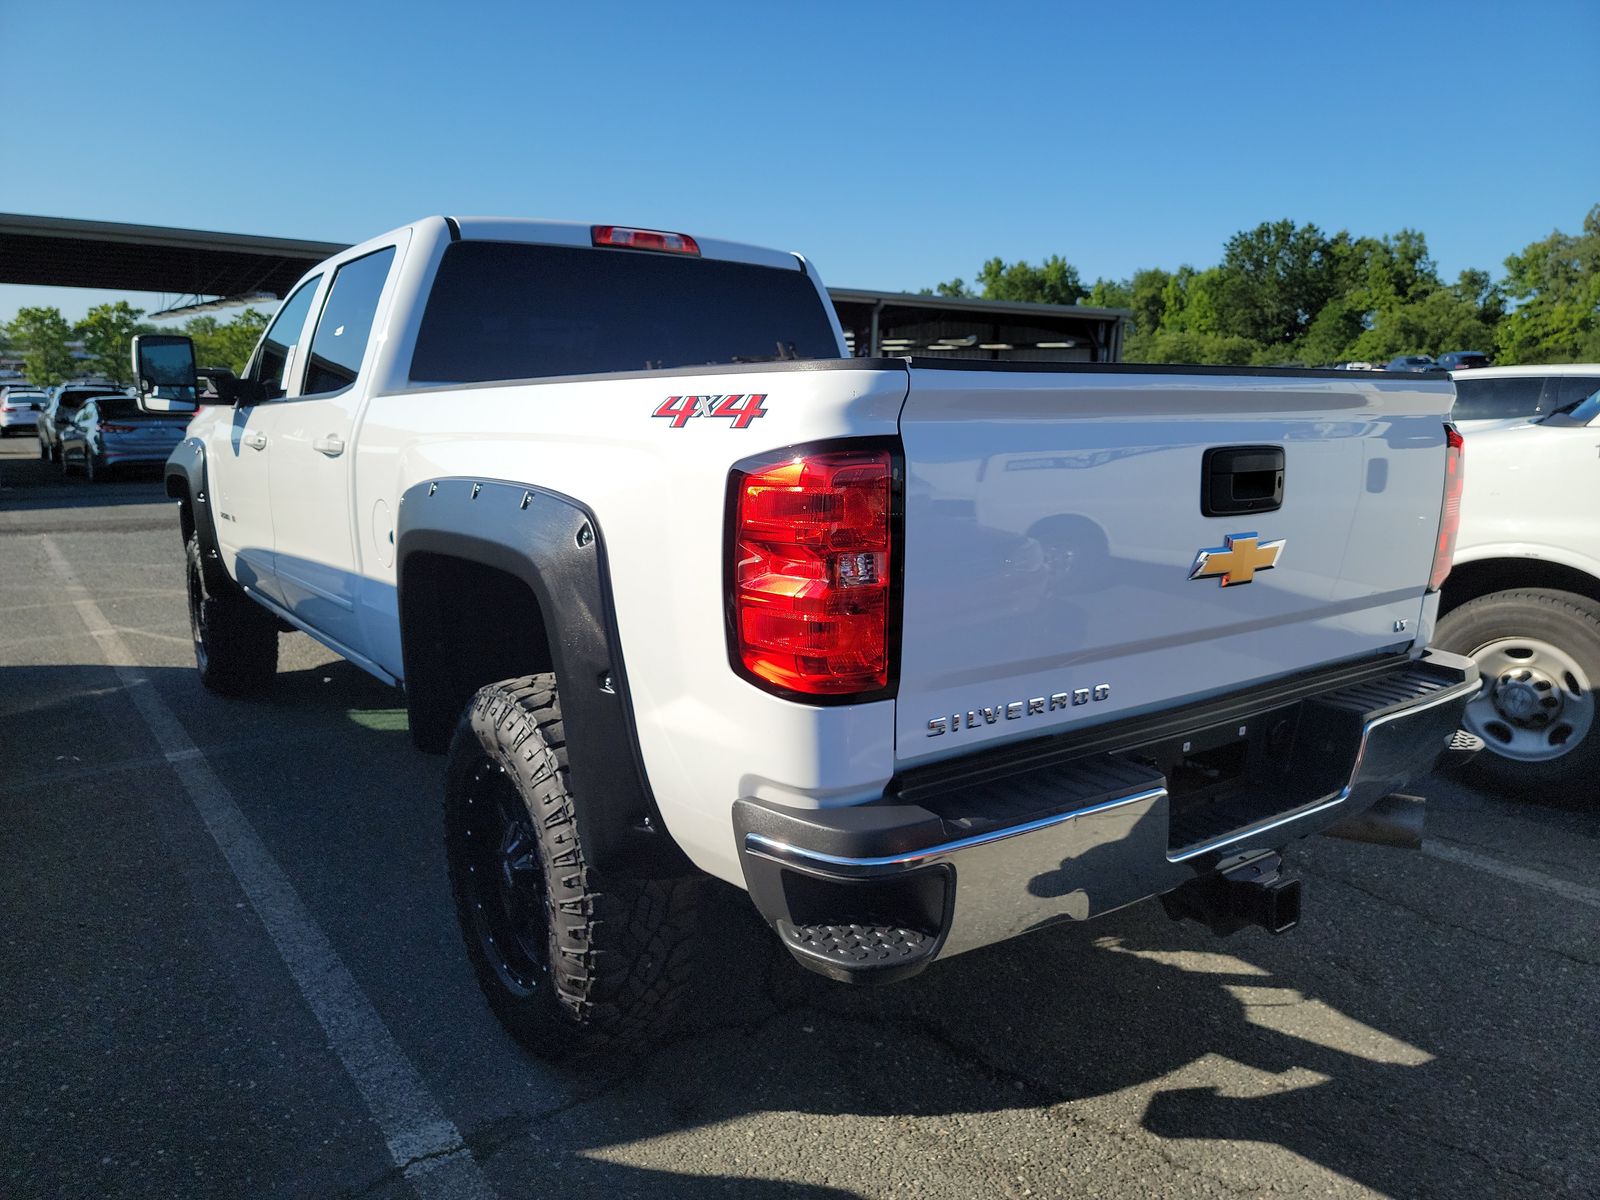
{"points": [[507, 310]]}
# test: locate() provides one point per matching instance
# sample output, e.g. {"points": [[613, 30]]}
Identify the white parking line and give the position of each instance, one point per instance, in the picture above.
{"points": [[421, 1138], [1564, 888]]}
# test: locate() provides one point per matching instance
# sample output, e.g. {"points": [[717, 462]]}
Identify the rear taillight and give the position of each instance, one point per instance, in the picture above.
{"points": [[643, 239], [107, 427], [1450, 515], [812, 548]]}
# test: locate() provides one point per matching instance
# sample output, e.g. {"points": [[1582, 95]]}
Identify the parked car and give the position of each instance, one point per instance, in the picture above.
{"points": [[109, 431], [920, 654], [1464, 360], [62, 405], [1413, 363], [1523, 597], [20, 408], [1490, 396]]}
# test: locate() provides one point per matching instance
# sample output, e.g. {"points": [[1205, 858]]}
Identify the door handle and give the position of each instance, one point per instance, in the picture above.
{"points": [[330, 444], [256, 441]]}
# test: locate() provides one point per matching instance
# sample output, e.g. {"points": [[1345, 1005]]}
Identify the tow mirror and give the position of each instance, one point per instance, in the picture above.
{"points": [[163, 372]]}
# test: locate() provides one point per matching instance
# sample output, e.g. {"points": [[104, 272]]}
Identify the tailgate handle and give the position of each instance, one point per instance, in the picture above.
{"points": [[1241, 479]]}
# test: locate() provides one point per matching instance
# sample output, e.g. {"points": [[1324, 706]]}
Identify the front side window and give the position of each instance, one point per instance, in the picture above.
{"points": [[346, 323], [273, 356], [1497, 399]]}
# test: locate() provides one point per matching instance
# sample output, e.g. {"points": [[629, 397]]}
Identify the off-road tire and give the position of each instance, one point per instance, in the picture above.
{"points": [[604, 961], [1565, 620], [235, 639]]}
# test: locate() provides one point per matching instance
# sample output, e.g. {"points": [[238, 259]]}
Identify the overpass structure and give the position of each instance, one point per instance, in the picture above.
{"points": [[64, 252]]}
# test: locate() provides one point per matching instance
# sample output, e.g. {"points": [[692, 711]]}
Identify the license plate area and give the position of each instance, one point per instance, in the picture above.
{"points": [[1228, 775]]}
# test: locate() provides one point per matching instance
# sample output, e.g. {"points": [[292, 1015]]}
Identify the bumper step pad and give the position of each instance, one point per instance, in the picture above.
{"points": [[857, 951]]}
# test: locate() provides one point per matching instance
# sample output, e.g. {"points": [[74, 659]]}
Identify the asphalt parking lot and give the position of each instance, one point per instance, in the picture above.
{"points": [[229, 968]]}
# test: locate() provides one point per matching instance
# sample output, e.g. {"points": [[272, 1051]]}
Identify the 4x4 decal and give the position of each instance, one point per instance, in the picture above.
{"points": [[741, 409]]}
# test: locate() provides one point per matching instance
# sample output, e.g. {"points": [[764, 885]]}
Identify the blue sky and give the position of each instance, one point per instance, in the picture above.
{"points": [[896, 145]]}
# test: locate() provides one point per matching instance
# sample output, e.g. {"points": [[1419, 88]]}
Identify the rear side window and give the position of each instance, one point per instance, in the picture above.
{"points": [[346, 323], [1497, 399], [273, 356], [503, 310]]}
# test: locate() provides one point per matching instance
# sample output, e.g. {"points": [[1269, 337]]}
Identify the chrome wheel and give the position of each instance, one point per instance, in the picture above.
{"points": [[1536, 703]]}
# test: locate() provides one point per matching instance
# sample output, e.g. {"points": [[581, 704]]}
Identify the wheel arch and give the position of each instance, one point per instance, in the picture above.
{"points": [[497, 580], [1485, 576], [186, 482]]}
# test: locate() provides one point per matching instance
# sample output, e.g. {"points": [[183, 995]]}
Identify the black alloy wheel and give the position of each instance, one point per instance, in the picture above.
{"points": [[503, 887]]}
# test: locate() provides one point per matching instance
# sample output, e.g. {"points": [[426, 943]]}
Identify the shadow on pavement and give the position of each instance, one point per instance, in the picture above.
{"points": [[33, 484], [1363, 1062]]}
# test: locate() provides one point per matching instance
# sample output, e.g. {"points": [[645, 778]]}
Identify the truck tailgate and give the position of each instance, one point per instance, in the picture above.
{"points": [[1054, 519]]}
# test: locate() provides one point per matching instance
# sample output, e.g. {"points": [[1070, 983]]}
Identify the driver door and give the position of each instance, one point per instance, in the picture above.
{"points": [[315, 559], [238, 452]]}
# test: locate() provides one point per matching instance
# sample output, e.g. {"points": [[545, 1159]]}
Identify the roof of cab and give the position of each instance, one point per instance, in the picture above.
{"points": [[1550, 369], [574, 233]]}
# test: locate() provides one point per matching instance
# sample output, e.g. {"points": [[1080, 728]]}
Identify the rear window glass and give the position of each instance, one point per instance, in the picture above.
{"points": [[77, 397], [119, 408], [502, 310], [1497, 399]]}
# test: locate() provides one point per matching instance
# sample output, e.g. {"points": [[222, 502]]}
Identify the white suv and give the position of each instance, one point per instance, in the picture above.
{"points": [[1487, 397]]}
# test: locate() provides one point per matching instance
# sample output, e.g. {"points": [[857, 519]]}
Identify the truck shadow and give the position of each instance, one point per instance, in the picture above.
{"points": [[1325, 1044]]}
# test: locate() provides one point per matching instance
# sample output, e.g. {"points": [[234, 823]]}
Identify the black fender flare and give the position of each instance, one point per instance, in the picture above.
{"points": [[186, 481], [553, 544]]}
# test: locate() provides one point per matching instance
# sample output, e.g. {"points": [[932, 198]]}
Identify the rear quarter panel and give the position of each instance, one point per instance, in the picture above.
{"points": [[658, 495]]}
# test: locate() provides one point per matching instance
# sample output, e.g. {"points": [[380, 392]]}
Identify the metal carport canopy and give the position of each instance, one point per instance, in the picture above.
{"points": [[65, 252], [62, 252]]}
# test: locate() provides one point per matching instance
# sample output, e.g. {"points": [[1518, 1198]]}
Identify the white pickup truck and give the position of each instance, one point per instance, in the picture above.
{"points": [[922, 655]]}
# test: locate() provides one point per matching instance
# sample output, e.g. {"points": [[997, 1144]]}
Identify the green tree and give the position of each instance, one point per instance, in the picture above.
{"points": [[1185, 346], [1055, 281], [1110, 293], [1148, 297], [1554, 287], [1332, 332], [107, 331], [226, 344], [954, 288], [1275, 280], [42, 334]]}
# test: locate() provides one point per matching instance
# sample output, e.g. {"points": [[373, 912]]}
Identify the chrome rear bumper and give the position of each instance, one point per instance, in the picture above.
{"points": [[1104, 830]]}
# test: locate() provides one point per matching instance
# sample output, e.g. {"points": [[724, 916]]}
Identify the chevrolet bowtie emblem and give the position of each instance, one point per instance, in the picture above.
{"points": [[1238, 559]]}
